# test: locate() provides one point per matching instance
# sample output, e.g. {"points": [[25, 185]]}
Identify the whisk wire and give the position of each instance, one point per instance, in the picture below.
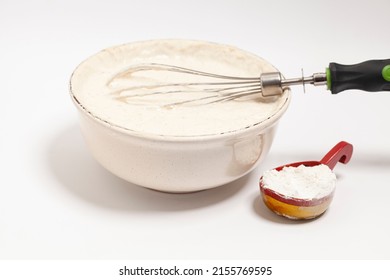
{"points": [[231, 88], [265, 85], [173, 68]]}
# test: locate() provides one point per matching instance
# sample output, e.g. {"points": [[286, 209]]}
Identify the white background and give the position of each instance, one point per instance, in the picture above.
{"points": [[56, 202]]}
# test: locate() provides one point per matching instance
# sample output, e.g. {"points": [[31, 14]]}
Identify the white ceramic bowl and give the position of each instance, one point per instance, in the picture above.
{"points": [[167, 162]]}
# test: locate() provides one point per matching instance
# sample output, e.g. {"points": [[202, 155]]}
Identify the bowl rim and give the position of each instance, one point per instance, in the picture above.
{"points": [[256, 127]]}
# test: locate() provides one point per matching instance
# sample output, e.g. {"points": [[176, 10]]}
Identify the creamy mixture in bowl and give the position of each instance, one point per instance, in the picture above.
{"points": [[106, 89], [160, 140]]}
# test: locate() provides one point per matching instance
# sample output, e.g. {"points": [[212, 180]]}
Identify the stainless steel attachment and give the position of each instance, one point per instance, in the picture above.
{"points": [[273, 84], [214, 87]]}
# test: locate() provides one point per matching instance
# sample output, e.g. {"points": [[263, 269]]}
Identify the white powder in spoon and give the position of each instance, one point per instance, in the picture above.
{"points": [[301, 182]]}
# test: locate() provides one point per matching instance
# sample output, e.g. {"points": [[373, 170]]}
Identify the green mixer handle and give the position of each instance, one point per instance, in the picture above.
{"points": [[371, 75]]}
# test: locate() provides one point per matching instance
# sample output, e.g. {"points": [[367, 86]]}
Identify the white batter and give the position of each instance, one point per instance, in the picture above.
{"points": [[104, 86]]}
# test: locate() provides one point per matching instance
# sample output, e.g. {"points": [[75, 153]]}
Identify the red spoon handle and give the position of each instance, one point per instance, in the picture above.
{"points": [[342, 152]]}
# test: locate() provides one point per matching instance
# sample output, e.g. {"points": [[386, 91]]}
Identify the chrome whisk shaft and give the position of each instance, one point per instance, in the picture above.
{"points": [[273, 84]]}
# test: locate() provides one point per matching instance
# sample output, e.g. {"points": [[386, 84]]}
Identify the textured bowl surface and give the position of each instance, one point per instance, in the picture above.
{"points": [[173, 152]]}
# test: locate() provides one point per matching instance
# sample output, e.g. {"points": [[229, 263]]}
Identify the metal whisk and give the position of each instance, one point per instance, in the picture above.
{"points": [[220, 88]]}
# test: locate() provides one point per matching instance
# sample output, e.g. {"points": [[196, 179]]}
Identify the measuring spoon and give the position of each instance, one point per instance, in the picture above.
{"points": [[299, 208]]}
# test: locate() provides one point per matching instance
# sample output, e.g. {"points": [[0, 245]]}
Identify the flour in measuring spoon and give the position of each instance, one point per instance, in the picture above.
{"points": [[301, 182]]}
